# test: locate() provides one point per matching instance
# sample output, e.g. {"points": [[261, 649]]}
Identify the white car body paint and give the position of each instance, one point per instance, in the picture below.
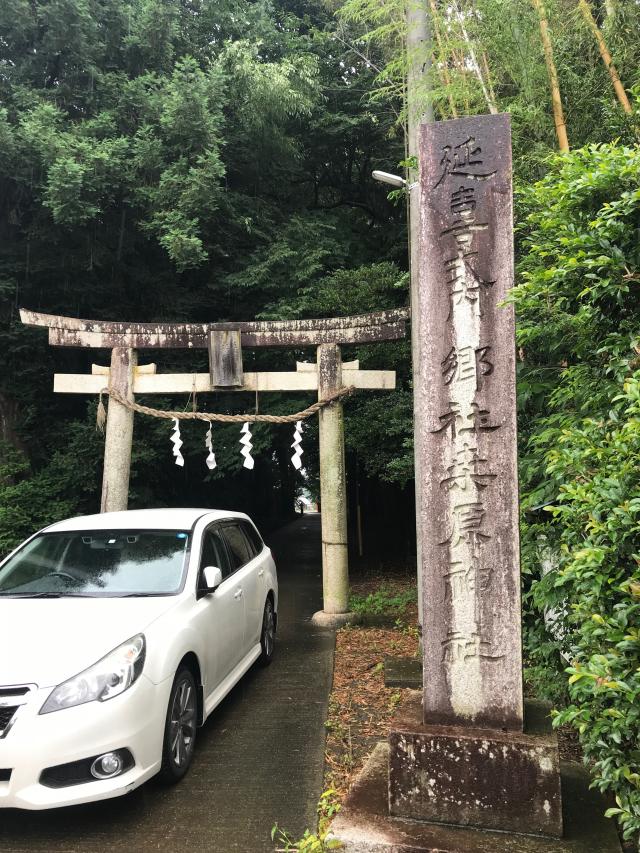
{"points": [[50, 640]]}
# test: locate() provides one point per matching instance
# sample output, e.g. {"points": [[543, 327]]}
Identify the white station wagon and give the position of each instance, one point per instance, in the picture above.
{"points": [[121, 633]]}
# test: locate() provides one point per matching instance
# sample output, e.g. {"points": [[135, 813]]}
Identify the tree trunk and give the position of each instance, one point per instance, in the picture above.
{"points": [[558, 114], [9, 422], [123, 218], [606, 56]]}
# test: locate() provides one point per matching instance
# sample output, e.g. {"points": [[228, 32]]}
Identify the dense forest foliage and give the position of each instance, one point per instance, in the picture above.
{"points": [[167, 160], [210, 160]]}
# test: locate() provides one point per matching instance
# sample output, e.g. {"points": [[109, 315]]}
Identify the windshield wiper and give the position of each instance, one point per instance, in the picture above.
{"points": [[103, 594], [140, 594], [44, 595]]}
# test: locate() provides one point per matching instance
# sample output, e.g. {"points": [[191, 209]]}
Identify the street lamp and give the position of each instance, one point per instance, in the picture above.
{"points": [[387, 178], [394, 180]]}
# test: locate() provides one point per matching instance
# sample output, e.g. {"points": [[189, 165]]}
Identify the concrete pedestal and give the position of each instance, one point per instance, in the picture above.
{"points": [[365, 826], [507, 781], [403, 672]]}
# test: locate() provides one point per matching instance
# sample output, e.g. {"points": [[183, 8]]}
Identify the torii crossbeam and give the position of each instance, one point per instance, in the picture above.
{"points": [[224, 342]]}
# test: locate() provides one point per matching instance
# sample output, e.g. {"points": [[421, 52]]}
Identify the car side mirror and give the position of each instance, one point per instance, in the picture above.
{"points": [[211, 579]]}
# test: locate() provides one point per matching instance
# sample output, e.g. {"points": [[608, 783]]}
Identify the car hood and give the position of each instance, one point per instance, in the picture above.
{"points": [[46, 641]]}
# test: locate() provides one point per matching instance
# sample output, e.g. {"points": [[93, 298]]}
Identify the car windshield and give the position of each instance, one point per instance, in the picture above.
{"points": [[97, 563]]}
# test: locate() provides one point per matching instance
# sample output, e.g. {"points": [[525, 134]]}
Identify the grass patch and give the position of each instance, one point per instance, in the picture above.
{"points": [[384, 601]]}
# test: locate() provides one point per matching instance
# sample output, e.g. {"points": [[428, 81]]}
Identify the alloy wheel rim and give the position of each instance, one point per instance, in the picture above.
{"points": [[269, 632], [182, 728]]}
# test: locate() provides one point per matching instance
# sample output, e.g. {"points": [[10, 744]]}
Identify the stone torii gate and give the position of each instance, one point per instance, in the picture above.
{"points": [[225, 342]]}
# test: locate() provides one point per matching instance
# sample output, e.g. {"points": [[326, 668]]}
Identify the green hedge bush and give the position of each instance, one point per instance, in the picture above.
{"points": [[578, 309]]}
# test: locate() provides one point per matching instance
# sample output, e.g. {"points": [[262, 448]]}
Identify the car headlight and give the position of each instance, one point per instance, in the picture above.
{"points": [[109, 677]]}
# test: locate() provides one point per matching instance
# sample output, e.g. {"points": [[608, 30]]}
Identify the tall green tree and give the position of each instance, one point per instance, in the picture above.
{"points": [[170, 160]]}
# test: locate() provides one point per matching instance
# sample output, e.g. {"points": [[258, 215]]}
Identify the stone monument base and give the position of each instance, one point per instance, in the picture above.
{"points": [[492, 779], [365, 826], [403, 672]]}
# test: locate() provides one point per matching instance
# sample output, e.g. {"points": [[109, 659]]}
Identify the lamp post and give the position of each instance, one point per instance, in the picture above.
{"points": [[399, 182]]}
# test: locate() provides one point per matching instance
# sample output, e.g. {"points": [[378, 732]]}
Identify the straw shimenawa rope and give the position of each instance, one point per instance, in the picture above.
{"points": [[211, 416]]}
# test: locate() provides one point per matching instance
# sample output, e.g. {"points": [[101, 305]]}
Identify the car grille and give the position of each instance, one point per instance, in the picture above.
{"points": [[6, 715], [74, 773], [11, 698]]}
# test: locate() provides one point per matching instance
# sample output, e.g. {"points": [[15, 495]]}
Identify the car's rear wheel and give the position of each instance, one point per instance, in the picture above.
{"points": [[268, 635], [180, 727]]}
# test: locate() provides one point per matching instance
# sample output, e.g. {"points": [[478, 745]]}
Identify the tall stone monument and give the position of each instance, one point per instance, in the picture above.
{"points": [[466, 405], [469, 767], [469, 760]]}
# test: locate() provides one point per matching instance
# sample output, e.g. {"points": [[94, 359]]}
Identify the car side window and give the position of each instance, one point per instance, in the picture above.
{"points": [[214, 552], [239, 547], [253, 536]]}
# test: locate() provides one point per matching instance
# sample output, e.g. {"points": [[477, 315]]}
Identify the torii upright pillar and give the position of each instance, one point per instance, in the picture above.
{"points": [[119, 433], [333, 485]]}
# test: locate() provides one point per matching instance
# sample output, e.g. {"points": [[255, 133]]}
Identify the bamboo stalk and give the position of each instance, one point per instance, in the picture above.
{"points": [[487, 71], [491, 105], [443, 69], [556, 100], [606, 56], [446, 82], [458, 59]]}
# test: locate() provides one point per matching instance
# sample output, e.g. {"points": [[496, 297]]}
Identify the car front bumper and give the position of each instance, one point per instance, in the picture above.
{"points": [[134, 720]]}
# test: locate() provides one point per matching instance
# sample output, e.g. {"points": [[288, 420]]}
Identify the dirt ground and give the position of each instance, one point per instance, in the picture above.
{"points": [[360, 706]]}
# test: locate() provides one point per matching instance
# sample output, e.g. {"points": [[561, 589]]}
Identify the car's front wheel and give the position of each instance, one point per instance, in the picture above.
{"points": [[180, 727], [268, 635]]}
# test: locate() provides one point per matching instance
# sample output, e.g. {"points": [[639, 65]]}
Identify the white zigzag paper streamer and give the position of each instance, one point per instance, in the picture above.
{"points": [[211, 458], [296, 459], [177, 442], [247, 446]]}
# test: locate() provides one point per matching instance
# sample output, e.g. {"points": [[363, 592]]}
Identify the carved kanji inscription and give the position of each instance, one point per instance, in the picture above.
{"points": [[468, 519]]}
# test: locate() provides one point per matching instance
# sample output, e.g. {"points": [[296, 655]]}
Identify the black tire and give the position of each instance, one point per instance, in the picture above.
{"points": [[180, 727], [268, 634]]}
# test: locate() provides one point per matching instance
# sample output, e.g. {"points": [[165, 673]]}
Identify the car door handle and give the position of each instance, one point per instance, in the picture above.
{"points": [[238, 593]]}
